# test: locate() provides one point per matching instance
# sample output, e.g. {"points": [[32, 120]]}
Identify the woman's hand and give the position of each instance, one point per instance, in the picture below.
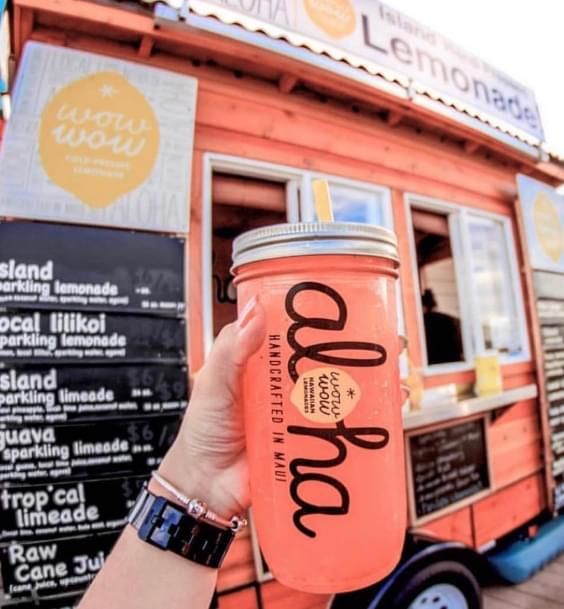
{"points": [[207, 460]]}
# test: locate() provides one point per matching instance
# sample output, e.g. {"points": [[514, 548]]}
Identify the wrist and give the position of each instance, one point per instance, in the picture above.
{"points": [[186, 474], [170, 526]]}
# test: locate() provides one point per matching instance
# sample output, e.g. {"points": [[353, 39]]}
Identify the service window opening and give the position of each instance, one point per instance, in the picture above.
{"points": [[470, 297], [239, 204], [439, 290]]}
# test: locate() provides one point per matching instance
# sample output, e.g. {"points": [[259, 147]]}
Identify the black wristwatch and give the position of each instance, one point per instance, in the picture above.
{"points": [[167, 526]]}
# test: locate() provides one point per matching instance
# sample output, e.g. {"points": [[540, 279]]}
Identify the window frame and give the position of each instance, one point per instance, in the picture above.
{"points": [[307, 206], [298, 209], [292, 177], [514, 289], [308, 215], [459, 217]]}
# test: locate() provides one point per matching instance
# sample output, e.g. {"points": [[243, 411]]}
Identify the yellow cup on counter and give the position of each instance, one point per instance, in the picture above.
{"points": [[489, 380]]}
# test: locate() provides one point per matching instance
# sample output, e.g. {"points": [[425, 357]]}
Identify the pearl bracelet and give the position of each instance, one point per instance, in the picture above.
{"points": [[198, 509]]}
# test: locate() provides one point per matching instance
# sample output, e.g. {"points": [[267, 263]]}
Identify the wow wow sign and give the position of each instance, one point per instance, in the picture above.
{"points": [[98, 141], [98, 138]]}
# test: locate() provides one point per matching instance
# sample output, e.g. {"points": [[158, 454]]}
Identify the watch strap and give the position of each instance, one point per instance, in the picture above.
{"points": [[167, 526]]}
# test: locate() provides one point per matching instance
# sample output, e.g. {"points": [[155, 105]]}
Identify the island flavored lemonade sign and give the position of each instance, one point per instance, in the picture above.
{"points": [[96, 140], [543, 219], [371, 34]]}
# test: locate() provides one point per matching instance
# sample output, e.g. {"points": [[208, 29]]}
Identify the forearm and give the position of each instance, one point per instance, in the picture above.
{"points": [[206, 462], [140, 576]]}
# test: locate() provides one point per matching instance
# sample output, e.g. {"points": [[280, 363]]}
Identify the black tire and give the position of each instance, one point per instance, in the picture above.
{"points": [[445, 572]]}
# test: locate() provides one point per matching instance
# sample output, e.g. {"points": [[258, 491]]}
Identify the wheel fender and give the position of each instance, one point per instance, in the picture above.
{"points": [[432, 553]]}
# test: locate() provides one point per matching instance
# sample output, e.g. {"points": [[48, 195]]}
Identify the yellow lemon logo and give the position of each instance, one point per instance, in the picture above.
{"points": [[547, 226], [335, 17], [98, 138]]}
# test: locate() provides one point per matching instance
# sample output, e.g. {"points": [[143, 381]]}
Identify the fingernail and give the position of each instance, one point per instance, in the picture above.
{"points": [[247, 313]]}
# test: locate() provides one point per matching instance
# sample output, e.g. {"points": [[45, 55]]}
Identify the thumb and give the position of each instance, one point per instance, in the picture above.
{"points": [[218, 380]]}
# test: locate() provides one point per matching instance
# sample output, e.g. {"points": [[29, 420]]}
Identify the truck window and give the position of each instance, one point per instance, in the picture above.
{"points": [[240, 203], [438, 288]]}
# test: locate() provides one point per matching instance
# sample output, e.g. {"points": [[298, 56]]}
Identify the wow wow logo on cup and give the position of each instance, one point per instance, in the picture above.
{"points": [[325, 395], [98, 138], [335, 17]]}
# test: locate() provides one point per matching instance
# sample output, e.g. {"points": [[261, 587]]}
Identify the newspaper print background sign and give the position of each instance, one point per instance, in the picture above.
{"points": [[96, 140]]}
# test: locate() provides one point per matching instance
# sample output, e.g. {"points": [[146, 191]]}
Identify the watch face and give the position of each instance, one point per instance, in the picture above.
{"points": [[162, 518]]}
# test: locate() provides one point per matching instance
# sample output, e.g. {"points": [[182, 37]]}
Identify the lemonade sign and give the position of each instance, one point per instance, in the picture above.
{"points": [[99, 141], [543, 219], [372, 35]]}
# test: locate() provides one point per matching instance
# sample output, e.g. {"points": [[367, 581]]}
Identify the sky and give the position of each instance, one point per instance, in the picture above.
{"points": [[524, 38]]}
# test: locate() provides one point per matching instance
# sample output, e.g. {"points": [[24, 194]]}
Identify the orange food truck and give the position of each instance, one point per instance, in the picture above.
{"points": [[254, 100]]}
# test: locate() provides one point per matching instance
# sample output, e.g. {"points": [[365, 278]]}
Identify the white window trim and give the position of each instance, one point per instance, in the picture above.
{"points": [[296, 210], [246, 167], [308, 211], [516, 293], [468, 306], [308, 215], [468, 287]]}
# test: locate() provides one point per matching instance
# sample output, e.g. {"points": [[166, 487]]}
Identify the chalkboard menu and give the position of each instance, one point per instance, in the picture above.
{"points": [[46, 266], [448, 465], [93, 383], [549, 290], [65, 601]]}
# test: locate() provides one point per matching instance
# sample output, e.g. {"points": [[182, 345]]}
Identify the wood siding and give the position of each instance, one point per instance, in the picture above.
{"points": [[250, 118]]}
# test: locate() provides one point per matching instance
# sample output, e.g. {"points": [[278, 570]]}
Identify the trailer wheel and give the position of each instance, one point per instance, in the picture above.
{"points": [[442, 585]]}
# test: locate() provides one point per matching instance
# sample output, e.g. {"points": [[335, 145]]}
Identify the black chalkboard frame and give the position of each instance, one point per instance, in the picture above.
{"points": [[414, 519], [546, 290]]}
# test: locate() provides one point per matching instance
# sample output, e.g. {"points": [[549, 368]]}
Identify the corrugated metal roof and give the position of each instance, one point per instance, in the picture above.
{"points": [[411, 89]]}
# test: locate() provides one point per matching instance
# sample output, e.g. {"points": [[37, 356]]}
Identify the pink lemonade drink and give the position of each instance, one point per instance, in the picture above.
{"points": [[323, 403]]}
